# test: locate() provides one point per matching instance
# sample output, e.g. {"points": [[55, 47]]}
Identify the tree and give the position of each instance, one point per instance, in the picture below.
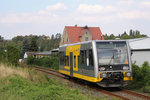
{"points": [[25, 47], [119, 35], [124, 36], [33, 45], [112, 37], [12, 54], [138, 35], [1, 55], [57, 40], [106, 37], [1, 39], [131, 32], [52, 37], [17, 39]]}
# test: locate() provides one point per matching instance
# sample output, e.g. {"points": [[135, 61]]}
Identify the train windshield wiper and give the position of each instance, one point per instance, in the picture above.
{"points": [[111, 59]]}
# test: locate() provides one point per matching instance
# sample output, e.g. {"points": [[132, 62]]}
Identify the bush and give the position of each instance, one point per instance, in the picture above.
{"points": [[1, 55], [30, 60], [145, 69], [136, 72], [37, 62], [48, 62], [141, 77], [137, 77], [12, 55], [146, 89]]}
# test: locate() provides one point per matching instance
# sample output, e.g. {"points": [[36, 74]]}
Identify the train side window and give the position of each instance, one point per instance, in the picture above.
{"points": [[91, 58], [61, 54], [74, 61], [66, 60], [78, 61], [83, 57]]}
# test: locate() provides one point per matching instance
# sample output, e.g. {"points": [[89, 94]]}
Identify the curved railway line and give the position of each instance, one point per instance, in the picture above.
{"points": [[121, 93]]}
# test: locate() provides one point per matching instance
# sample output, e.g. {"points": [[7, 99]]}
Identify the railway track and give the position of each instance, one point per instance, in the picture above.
{"points": [[122, 93], [136, 94]]}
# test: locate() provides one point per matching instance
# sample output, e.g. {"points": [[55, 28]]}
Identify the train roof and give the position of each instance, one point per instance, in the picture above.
{"points": [[92, 41]]}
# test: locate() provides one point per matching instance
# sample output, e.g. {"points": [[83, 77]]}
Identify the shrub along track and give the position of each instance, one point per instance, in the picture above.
{"points": [[121, 93]]}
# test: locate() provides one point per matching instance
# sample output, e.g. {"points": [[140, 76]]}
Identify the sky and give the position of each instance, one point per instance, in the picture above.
{"points": [[47, 17]]}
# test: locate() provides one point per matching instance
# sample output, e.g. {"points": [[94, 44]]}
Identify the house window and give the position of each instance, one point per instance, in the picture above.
{"points": [[86, 38]]}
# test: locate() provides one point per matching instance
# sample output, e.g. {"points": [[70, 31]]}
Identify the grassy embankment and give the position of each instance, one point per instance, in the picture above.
{"points": [[18, 83]]}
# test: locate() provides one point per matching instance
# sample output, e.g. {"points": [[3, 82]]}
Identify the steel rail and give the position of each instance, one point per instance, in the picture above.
{"points": [[47, 69], [48, 72], [136, 94]]}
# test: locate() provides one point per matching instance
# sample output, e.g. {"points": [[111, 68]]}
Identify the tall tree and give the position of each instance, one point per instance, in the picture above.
{"points": [[33, 45], [131, 32], [52, 37], [1, 39], [106, 37], [12, 54], [57, 40], [17, 39], [112, 37], [25, 47]]}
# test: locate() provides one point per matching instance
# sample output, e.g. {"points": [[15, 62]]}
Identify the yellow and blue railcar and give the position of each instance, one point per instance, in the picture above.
{"points": [[104, 62]]}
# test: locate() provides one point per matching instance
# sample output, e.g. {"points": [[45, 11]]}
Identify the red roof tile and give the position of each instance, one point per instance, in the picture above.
{"points": [[74, 33]]}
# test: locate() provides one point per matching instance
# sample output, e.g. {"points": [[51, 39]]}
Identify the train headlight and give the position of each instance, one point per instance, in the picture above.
{"points": [[125, 67], [103, 75], [128, 74]]}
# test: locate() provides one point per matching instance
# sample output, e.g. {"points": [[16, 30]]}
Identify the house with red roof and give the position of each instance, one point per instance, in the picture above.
{"points": [[74, 34]]}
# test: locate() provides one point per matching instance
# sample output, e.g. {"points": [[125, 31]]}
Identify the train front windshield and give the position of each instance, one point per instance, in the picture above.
{"points": [[112, 53]]}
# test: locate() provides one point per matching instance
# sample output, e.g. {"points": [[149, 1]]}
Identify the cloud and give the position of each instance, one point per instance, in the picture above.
{"points": [[126, 2], [134, 15], [56, 7], [42, 16], [27, 18], [145, 4], [95, 19], [95, 9], [10, 18], [52, 8]]}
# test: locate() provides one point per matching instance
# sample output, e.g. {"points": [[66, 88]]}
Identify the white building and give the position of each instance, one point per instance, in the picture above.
{"points": [[140, 50]]}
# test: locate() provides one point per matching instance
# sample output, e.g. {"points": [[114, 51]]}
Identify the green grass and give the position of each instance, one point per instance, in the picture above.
{"points": [[16, 88], [28, 84]]}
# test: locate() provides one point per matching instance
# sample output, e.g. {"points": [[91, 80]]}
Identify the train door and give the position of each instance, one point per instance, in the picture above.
{"points": [[71, 63]]}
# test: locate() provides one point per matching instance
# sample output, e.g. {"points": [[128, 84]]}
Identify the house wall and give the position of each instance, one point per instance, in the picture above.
{"points": [[25, 55], [86, 34], [139, 57], [65, 38]]}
